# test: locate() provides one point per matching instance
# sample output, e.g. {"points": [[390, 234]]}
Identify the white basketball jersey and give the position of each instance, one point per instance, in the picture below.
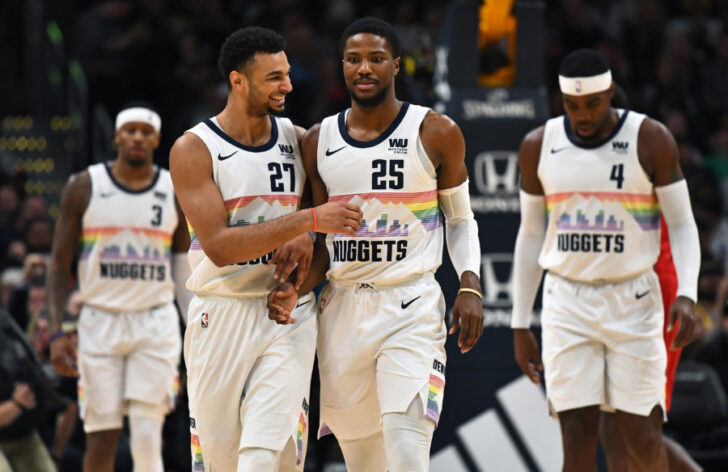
{"points": [[257, 183], [394, 182], [603, 214], [125, 262]]}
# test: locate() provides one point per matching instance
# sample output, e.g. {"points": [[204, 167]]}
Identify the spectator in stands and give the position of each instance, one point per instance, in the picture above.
{"points": [[21, 409], [714, 351]]}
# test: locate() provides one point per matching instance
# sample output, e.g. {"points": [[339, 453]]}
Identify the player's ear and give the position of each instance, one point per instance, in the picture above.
{"points": [[396, 62], [238, 81]]}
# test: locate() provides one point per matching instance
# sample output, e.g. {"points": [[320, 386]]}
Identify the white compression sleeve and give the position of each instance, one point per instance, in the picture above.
{"points": [[526, 271], [684, 243], [180, 272], [462, 231]]}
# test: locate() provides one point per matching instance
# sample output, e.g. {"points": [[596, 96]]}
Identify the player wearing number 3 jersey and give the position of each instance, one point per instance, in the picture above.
{"points": [[593, 184], [125, 216]]}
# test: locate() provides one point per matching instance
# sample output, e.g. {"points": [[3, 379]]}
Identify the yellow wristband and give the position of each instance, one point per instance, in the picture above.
{"points": [[471, 290]]}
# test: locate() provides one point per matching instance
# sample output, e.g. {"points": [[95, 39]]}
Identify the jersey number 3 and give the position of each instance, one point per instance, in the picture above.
{"points": [[617, 174]]}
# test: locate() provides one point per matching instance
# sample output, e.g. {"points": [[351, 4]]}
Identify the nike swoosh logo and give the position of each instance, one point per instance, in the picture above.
{"points": [[106, 195], [640, 295], [329, 152], [220, 157], [304, 303], [554, 151], [405, 305]]}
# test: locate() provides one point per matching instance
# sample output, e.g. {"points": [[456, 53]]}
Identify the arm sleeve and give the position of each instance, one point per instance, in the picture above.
{"points": [[463, 244], [684, 243], [181, 272], [526, 271]]}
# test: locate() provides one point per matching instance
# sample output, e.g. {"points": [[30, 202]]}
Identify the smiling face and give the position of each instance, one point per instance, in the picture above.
{"points": [[137, 142], [369, 68], [268, 82], [589, 114]]}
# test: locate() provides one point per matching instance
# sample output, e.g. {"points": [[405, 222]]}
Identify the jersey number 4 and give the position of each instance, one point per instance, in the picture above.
{"points": [[617, 174], [396, 176]]}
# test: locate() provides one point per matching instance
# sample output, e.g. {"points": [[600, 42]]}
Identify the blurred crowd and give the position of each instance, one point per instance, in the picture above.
{"points": [[670, 57]]}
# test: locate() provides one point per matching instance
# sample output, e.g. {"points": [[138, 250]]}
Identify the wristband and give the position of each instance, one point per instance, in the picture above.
{"points": [[58, 334], [315, 220], [471, 290]]}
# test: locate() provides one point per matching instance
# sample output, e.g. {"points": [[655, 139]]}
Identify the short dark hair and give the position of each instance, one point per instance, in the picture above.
{"points": [[583, 63], [240, 47], [375, 26]]}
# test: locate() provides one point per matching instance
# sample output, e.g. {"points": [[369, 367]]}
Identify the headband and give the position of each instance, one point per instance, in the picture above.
{"points": [[141, 115], [585, 85]]}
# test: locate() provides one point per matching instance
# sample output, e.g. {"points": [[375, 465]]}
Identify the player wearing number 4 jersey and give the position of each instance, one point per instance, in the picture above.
{"points": [[381, 328], [125, 217], [240, 179], [593, 184]]}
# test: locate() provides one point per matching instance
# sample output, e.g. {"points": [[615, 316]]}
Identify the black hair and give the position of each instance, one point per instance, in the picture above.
{"points": [[139, 103], [240, 47], [374, 26], [583, 63]]}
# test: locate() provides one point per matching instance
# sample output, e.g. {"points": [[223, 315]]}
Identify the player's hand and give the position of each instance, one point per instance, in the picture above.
{"points": [[467, 312], [281, 302], [297, 252], [682, 313], [339, 218], [526, 352], [63, 356], [24, 396]]}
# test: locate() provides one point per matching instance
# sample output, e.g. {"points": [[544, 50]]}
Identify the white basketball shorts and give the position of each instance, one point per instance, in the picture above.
{"points": [[248, 379], [378, 349], [603, 345], [124, 357]]}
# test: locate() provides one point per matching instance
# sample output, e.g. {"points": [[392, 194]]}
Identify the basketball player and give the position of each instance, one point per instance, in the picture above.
{"points": [[381, 329], [239, 178], [133, 242], [593, 184]]}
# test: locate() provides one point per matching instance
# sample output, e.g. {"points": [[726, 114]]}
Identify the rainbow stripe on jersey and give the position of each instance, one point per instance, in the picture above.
{"points": [[423, 205], [283, 203], [644, 208], [92, 236]]}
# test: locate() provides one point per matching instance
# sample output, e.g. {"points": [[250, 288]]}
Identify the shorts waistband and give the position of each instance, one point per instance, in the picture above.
{"points": [[372, 285], [149, 310], [601, 282]]}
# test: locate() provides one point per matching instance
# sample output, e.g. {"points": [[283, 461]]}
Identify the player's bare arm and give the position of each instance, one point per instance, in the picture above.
{"points": [[282, 299], [525, 257], [296, 253], [180, 265], [74, 200], [201, 201], [444, 143], [658, 155]]}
